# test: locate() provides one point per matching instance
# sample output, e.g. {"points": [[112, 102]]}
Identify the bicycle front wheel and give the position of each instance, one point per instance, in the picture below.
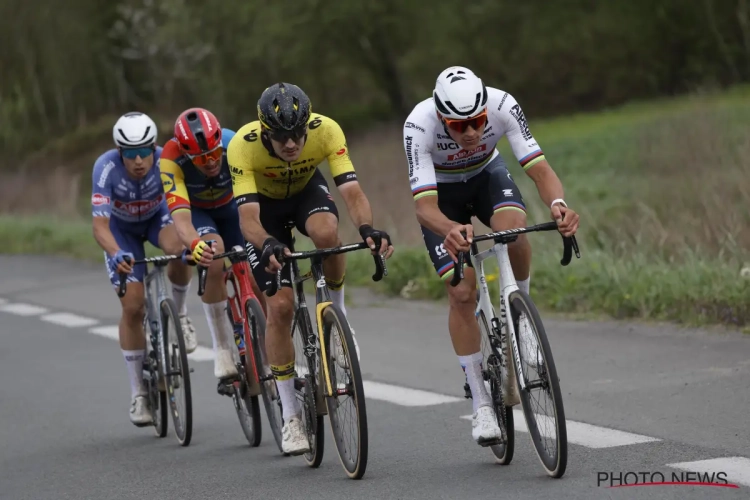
{"points": [[346, 409], [247, 405], [493, 376], [544, 414], [177, 372]]}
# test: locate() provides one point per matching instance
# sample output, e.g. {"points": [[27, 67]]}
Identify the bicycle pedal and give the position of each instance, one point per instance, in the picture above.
{"points": [[490, 442], [225, 387]]}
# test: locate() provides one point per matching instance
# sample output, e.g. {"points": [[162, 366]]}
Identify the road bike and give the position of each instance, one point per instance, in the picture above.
{"points": [[246, 314], [326, 382], [166, 372], [530, 350]]}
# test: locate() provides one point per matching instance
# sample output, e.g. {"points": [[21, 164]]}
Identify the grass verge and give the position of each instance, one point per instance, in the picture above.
{"points": [[662, 192]]}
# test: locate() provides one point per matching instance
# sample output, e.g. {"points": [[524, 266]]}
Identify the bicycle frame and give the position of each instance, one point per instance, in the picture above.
{"points": [[322, 300], [507, 285], [322, 297], [240, 269], [156, 276]]}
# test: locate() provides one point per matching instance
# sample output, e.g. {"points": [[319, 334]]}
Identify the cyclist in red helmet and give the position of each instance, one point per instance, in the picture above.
{"points": [[196, 178]]}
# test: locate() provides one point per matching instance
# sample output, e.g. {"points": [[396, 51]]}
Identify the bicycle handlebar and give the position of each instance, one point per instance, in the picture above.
{"points": [[202, 270], [380, 265], [570, 244]]}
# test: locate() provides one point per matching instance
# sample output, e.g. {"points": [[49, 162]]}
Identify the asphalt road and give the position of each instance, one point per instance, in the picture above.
{"points": [[638, 399]]}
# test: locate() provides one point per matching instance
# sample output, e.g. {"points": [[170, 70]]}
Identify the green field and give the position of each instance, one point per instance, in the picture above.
{"points": [[662, 191]]}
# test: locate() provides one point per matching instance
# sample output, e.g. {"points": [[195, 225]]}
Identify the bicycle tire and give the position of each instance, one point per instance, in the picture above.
{"points": [[555, 467], [183, 422], [356, 468], [256, 322], [312, 420], [157, 399], [253, 431], [503, 452]]}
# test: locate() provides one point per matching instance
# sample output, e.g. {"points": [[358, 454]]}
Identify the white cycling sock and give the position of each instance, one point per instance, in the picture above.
{"points": [[472, 366], [337, 297], [134, 362], [221, 330], [524, 284], [289, 404], [179, 294]]}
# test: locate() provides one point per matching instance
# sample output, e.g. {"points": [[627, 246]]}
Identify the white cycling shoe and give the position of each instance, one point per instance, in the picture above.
{"points": [[139, 412], [340, 354], [188, 332], [224, 366], [484, 426], [293, 437]]}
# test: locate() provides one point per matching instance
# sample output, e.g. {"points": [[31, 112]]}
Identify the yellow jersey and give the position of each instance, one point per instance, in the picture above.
{"points": [[257, 170]]}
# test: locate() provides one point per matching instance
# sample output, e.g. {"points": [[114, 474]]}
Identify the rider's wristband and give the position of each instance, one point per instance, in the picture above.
{"points": [[558, 200]]}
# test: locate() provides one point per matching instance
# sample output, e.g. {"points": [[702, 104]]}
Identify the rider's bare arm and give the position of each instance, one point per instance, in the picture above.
{"points": [[101, 208], [250, 224], [547, 183], [103, 235], [356, 203], [183, 222], [527, 151], [430, 216]]}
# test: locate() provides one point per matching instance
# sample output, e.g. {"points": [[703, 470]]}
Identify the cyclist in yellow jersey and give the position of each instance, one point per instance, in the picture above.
{"points": [[274, 165]]}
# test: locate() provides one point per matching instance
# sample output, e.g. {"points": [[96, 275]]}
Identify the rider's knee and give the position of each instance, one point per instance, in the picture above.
{"points": [[218, 242], [508, 219], [462, 296], [133, 307], [281, 306], [324, 233]]}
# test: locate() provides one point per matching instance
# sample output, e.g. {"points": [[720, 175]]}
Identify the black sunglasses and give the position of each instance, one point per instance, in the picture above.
{"points": [[284, 135]]}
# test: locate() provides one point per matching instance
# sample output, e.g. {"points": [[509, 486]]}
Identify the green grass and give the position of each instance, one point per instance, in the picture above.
{"points": [[662, 192]]}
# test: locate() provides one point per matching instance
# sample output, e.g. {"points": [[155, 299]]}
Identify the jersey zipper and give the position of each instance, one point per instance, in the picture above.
{"points": [[289, 174]]}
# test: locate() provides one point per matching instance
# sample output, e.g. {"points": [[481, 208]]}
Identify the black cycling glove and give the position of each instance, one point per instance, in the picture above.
{"points": [[271, 246], [366, 231]]}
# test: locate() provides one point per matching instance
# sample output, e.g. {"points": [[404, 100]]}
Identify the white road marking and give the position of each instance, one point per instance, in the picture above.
{"points": [[70, 320], [110, 332], [404, 396], [590, 436], [23, 309], [737, 469]]}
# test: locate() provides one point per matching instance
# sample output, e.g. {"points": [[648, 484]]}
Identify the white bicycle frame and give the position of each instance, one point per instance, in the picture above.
{"points": [[507, 285]]}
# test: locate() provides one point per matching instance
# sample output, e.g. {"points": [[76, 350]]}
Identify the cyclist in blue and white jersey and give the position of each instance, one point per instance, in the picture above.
{"points": [[128, 208], [455, 173]]}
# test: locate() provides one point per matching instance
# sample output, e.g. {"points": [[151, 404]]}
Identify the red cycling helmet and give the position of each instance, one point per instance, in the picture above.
{"points": [[198, 133]]}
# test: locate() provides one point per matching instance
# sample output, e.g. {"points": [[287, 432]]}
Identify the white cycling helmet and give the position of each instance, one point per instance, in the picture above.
{"points": [[459, 94], [134, 130]]}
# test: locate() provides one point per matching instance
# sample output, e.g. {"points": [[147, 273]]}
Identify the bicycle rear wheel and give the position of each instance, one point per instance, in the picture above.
{"points": [[307, 388], [256, 322], [536, 355], [493, 375], [177, 372], [349, 394]]}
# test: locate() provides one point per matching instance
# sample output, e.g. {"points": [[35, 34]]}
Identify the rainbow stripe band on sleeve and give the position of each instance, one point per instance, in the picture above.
{"points": [[531, 159], [446, 271], [422, 191], [508, 205]]}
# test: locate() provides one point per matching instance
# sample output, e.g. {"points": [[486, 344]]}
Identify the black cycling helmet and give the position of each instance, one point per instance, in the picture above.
{"points": [[284, 110]]}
